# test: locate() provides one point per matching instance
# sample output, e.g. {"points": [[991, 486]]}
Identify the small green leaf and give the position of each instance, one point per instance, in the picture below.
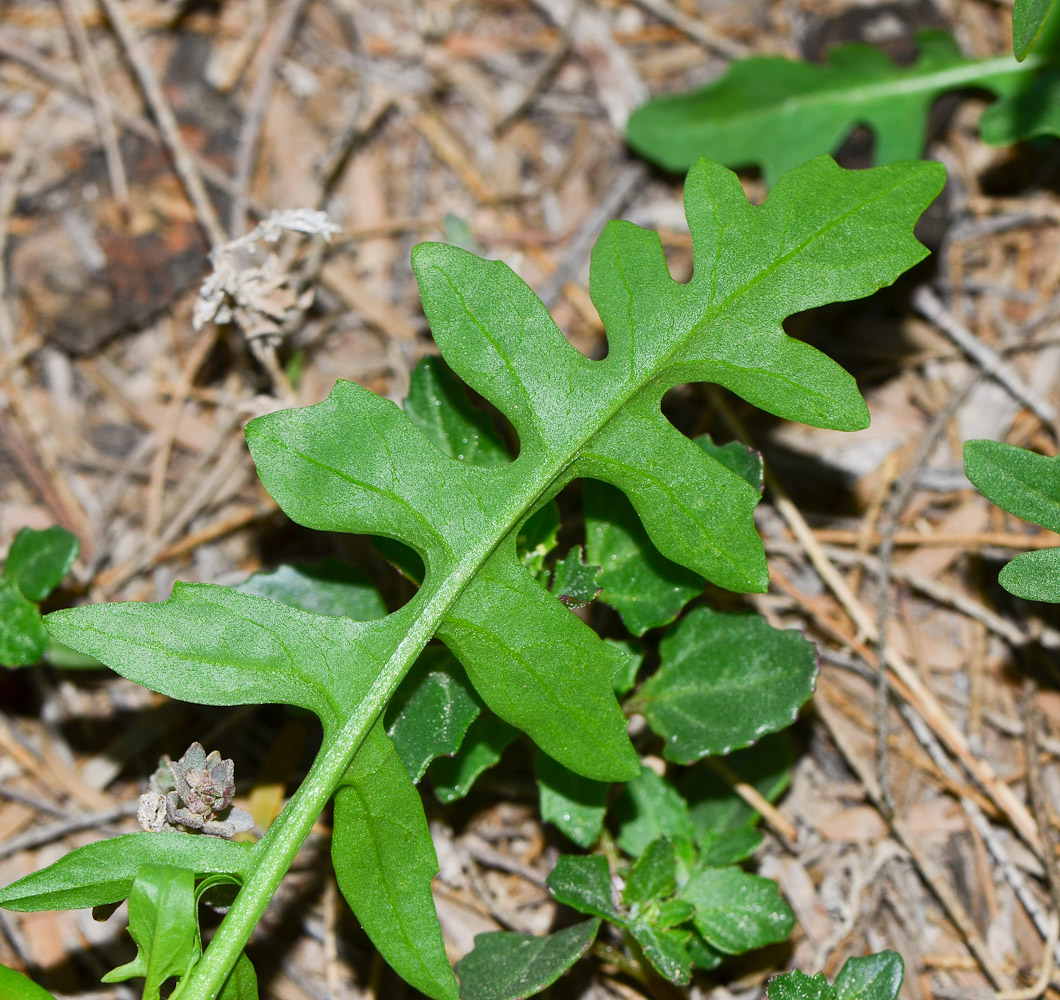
{"points": [[1029, 18], [456, 230], [15, 986], [163, 923], [704, 956], [325, 588], [673, 912], [717, 810], [104, 872], [651, 808], [745, 462], [641, 584], [432, 710], [720, 849], [1029, 114], [777, 113], [725, 681], [537, 537], [506, 966], [575, 583], [583, 881], [1017, 480], [438, 404], [487, 738], [242, 981], [626, 678], [798, 986], [1034, 576], [1027, 485], [38, 560], [873, 977], [23, 637], [575, 805], [666, 950], [384, 860], [653, 875], [735, 911]]}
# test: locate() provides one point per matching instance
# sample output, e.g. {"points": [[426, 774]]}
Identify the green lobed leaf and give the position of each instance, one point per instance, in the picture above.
{"points": [[325, 588], [357, 463], [583, 881], [735, 911], [776, 113], [653, 875], [667, 950], [15, 986], [725, 681], [216, 646], [432, 710], [384, 861], [573, 582], [504, 966], [486, 740], [23, 637], [649, 808], [872, 977], [573, 804], [798, 986], [104, 872], [38, 560], [1027, 485], [1029, 18], [163, 923], [541, 669]]}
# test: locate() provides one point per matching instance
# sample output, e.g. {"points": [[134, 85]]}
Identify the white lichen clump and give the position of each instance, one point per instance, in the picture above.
{"points": [[257, 293]]}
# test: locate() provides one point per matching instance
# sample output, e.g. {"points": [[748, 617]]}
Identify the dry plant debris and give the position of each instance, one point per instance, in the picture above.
{"points": [[501, 123]]}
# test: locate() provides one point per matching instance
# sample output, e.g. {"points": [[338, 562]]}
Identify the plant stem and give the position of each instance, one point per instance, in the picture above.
{"points": [[277, 849]]}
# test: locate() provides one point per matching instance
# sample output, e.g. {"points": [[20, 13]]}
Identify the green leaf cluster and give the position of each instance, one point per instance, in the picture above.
{"points": [[476, 529], [775, 113], [1027, 485], [36, 563], [680, 901]]}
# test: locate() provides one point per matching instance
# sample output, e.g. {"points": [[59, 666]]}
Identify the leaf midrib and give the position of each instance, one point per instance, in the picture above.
{"points": [[912, 83]]}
